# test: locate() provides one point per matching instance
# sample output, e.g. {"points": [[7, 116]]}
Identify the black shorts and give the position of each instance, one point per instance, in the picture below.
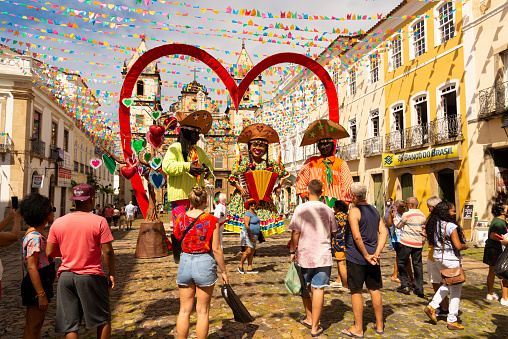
{"points": [[28, 293], [396, 247], [359, 274], [78, 295]]}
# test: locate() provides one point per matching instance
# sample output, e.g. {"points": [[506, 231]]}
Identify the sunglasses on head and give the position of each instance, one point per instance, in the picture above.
{"points": [[54, 209]]}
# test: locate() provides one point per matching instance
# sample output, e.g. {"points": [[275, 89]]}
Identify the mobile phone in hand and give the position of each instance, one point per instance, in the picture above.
{"points": [[14, 202], [500, 237]]}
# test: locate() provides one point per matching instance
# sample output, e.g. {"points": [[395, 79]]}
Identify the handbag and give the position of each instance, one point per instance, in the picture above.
{"points": [[501, 266], [292, 280], [261, 238], [177, 243], [451, 276], [240, 312]]}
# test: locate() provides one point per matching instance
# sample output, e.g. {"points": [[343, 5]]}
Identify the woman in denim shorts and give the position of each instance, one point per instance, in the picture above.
{"points": [[249, 235], [197, 271]]}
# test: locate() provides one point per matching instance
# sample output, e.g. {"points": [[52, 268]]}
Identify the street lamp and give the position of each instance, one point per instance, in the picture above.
{"points": [[505, 126]]}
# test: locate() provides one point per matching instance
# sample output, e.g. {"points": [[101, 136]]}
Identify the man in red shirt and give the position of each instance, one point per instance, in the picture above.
{"points": [[79, 238]]}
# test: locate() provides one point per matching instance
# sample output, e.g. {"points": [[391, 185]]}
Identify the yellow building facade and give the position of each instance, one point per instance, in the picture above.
{"points": [[425, 147]]}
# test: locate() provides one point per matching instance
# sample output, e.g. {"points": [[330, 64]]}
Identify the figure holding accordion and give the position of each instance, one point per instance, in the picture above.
{"points": [[255, 177]]}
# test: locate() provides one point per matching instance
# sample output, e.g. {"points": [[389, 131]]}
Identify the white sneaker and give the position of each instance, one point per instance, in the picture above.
{"points": [[335, 284], [504, 302], [492, 297]]}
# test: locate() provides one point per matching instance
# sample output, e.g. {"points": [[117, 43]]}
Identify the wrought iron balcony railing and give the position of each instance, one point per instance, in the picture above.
{"points": [[446, 129], [5, 143], [38, 147], [349, 152], [493, 100], [395, 141], [437, 131], [373, 146]]}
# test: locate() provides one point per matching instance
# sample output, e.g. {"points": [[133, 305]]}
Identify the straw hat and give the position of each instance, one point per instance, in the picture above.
{"points": [[199, 119], [248, 202], [323, 129], [258, 131]]}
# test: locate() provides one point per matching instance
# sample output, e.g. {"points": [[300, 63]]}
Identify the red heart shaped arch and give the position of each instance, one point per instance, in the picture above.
{"points": [[235, 92]]}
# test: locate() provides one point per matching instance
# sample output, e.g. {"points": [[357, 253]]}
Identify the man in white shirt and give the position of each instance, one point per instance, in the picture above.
{"points": [[130, 210], [221, 212]]}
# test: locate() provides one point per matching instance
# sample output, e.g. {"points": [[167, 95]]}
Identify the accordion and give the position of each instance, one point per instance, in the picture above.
{"points": [[259, 183]]}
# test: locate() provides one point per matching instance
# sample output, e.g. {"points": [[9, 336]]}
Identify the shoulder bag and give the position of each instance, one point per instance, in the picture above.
{"points": [[451, 276], [177, 243]]}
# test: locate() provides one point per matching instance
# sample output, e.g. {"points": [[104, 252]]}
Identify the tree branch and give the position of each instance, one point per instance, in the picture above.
{"points": [[117, 159]]}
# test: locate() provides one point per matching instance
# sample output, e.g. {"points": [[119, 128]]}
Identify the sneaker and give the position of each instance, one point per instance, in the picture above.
{"points": [[419, 294], [440, 312], [431, 313], [335, 284], [454, 326], [404, 290], [252, 272], [240, 270], [492, 297], [504, 302]]}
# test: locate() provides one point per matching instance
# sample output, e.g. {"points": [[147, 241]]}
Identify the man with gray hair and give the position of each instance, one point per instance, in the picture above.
{"points": [[411, 244], [363, 248], [432, 202]]}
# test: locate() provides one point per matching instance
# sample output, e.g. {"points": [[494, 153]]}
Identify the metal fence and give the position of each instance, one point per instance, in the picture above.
{"points": [[349, 152], [436, 131], [38, 147], [493, 100], [373, 146]]}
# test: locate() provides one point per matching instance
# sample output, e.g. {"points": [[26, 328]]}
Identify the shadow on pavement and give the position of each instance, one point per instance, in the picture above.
{"points": [[233, 330]]}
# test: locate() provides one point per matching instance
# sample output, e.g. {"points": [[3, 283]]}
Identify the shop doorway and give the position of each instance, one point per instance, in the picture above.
{"points": [[446, 183], [63, 200], [378, 193], [406, 183]]}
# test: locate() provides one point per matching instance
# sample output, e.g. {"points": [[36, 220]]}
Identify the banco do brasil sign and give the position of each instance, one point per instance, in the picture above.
{"points": [[429, 155]]}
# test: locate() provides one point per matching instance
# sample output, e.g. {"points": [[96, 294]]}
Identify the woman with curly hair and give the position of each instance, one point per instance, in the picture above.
{"points": [[37, 285], [493, 250], [448, 240]]}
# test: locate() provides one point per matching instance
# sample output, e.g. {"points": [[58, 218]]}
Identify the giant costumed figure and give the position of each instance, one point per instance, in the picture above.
{"points": [[331, 171], [185, 163], [255, 177]]}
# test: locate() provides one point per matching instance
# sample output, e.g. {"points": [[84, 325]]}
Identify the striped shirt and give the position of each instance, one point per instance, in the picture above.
{"points": [[411, 224], [314, 168], [180, 181]]}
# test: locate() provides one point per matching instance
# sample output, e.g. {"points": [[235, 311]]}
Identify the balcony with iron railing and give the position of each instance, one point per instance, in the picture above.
{"points": [[438, 131], [5, 143], [493, 100], [373, 146], [38, 147], [349, 152]]}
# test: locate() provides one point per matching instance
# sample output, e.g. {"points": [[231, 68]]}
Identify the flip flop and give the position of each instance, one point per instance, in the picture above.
{"points": [[373, 326], [350, 334], [319, 333], [302, 321]]}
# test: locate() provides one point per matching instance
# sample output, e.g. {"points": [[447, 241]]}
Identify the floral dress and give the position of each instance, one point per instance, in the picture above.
{"points": [[271, 223]]}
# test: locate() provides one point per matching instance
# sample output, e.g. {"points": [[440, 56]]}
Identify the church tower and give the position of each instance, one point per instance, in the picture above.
{"points": [[147, 97], [147, 91], [252, 99]]}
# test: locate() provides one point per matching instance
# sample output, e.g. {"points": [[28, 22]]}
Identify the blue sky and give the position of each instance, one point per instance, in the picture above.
{"points": [[13, 10]]}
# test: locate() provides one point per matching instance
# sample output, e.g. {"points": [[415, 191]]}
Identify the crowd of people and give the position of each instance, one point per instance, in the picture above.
{"points": [[333, 222]]}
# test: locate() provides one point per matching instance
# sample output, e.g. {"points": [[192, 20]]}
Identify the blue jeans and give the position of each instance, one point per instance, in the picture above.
{"points": [[390, 241], [318, 277], [197, 269]]}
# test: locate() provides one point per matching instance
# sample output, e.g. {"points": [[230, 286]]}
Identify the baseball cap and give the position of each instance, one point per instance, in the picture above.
{"points": [[82, 192]]}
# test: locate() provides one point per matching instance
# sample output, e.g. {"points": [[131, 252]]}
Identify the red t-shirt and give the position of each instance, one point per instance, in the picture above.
{"points": [[197, 240], [79, 236]]}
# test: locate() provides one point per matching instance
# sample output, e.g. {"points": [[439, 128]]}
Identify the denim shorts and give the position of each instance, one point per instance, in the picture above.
{"points": [[245, 239], [198, 269], [318, 277]]}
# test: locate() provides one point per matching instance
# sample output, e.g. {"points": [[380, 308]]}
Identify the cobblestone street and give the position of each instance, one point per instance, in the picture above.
{"points": [[145, 299]]}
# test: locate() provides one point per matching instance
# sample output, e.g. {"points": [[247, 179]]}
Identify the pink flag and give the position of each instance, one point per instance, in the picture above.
{"points": [[228, 10]]}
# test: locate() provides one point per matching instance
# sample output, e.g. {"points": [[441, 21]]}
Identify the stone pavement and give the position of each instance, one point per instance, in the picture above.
{"points": [[145, 300]]}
